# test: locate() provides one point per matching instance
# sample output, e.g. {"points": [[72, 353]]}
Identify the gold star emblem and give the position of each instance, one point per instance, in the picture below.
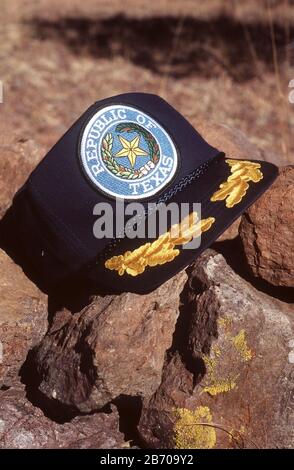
{"points": [[130, 149]]}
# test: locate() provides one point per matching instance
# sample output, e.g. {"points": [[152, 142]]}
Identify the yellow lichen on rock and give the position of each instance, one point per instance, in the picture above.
{"points": [[216, 384], [217, 380], [238, 436], [193, 429], [220, 387], [240, 343], [225, 322]]}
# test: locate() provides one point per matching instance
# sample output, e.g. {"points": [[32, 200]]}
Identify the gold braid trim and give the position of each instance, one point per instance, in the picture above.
{"points": [[236, 186], [162, 250]]}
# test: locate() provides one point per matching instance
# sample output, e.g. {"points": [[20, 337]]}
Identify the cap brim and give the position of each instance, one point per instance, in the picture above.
{"points": [[223, 210]]}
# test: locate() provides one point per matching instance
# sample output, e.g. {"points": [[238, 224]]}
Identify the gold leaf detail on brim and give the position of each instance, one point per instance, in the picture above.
{"points": [[235, 188], [162, 250]]}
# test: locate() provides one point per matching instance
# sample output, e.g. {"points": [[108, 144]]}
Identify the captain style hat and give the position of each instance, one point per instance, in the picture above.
{"points": [[130, 148]]}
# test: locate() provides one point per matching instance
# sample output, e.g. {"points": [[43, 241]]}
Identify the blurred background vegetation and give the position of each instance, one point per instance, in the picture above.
{"points": [[229, 61]]}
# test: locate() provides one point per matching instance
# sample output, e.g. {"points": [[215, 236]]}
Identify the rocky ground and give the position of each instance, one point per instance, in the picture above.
{"points": [[213, 345], [206, 360], [211, 60]]}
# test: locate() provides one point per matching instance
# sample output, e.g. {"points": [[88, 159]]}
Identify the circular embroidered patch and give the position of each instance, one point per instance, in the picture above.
{"points": [[127, 154]]}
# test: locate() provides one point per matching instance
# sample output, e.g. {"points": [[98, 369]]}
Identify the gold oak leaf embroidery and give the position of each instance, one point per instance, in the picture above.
{"points": [[237, 184], [162, 250]]}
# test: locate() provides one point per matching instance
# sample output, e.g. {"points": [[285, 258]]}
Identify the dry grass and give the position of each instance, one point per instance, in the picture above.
{"points": [[222, 60]]}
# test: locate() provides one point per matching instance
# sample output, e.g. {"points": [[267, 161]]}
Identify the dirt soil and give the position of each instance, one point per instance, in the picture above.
{"points": [[215, 60]]}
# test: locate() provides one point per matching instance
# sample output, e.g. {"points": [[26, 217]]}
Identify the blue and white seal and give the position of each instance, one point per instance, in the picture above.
{"points": [[127, 154]]}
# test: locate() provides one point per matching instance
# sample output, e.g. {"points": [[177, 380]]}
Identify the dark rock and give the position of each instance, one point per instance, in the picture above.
{"points": [[242, 339], [115, 346], [23, 426]]}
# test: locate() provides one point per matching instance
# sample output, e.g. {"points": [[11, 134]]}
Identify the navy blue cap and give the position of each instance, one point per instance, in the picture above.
{"points": [[133, 148]]}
